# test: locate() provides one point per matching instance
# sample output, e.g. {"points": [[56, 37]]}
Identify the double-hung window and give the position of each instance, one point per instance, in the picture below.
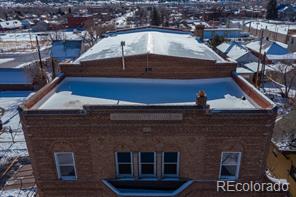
{"points": [[124, 164], [147, 163], [65, 165], [229, 166], [170, 164]]}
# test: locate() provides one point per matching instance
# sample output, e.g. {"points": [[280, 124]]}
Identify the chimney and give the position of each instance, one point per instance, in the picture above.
{"points": [[201, 99], [199, 31]]}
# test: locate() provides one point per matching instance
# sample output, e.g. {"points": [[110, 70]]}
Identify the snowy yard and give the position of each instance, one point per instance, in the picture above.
{"points": [[18, 193], [12, 142], [273, 91]]}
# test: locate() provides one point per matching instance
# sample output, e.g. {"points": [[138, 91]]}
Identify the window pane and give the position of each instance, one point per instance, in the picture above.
{"points": [[147, 169], [170, 169], [293, 172], [67, 171], [65, 158], [228, 171], [124, 169], [230, 158], [147, 157], [124, 157], [171, 157]]}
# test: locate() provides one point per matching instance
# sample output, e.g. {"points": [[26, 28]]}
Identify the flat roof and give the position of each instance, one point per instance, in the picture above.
{"points": [[152, 42], [74, 92]]}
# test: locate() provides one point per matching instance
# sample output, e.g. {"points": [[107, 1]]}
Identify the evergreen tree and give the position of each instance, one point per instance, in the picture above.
{"points": [[155, 18], [271, 10]]}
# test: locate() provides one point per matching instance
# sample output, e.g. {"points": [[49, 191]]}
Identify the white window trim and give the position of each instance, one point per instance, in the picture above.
{"points": [[178, 165], [66, 178], [154, 165], [117, 165], [237, 169]]}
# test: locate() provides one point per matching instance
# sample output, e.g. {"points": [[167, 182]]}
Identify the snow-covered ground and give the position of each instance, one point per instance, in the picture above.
{"points": [[273, 90], [121, 21], [12, 141], [18, 193], [9, 100], [20, 42]]}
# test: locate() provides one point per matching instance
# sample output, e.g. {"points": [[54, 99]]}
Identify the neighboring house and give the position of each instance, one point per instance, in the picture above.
{"points": [[292, 43], [41, 26], [77, 21], [237, 52], [269, 48], [10, 25], [287, 12], [229, 33], [26, 23], [249, 70], [66, 49], [279, 31], [169, 118], [15, 79], [281, 160]]}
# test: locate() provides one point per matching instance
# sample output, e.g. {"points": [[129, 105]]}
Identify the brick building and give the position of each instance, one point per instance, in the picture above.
{"points": [[168, 118]]}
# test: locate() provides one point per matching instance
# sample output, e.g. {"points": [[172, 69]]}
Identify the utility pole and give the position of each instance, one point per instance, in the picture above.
{"points": [[53, 68], [259, 60], [39, 54], [122, 43], [263, 69]]}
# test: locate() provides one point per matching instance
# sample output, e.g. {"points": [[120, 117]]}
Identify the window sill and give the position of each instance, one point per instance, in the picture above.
{"points": [[68, 179]]}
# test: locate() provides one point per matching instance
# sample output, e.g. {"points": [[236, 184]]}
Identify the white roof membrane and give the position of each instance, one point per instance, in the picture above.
{"points": [[153, 42], [74, 92]]}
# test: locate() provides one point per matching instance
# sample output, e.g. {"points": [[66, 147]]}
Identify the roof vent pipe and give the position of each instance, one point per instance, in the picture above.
{"points": [[122, 43]]}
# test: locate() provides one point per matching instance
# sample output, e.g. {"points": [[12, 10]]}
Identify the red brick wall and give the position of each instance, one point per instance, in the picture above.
{"points": [[94, 138], [162, 67]]}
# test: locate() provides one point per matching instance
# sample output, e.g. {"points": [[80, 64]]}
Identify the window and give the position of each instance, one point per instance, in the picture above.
{"points": [[170, 164], [65, 165], [124, 164], [229, 166], [293, 172], [147, 164]]}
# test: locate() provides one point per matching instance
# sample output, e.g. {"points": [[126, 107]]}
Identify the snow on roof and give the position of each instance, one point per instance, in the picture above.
{"points": [[236, 52], [153, 42], [274, 26], [253, 66], [288, 56], [243, 70], [269, 47], [74, 92], [223, 47], [13, 24], [233, 49], [5, 60]]}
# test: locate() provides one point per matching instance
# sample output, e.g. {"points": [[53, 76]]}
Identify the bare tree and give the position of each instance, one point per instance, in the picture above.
{"points": [[95, 31], [285, 74]]}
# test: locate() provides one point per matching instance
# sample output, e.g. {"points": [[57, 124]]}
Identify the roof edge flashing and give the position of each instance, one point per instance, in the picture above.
{"points": [[267, 103]]}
